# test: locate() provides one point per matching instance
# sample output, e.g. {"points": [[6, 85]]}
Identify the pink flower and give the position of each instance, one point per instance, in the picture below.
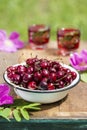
{"points": [[11, 43], [79, 61], [5, 98]]}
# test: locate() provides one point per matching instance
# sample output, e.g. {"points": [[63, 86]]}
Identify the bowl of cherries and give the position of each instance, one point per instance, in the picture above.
{"points": [[41, 80]]}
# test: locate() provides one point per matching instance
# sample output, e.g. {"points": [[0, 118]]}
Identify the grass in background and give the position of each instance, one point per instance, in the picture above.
{"points": [[18, 15]]}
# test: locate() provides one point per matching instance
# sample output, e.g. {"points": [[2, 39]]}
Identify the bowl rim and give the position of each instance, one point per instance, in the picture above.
{"points": [[74, 82]]}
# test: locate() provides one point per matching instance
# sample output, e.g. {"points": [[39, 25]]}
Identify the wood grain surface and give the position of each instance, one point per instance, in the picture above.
{"points": [[74, 105]]}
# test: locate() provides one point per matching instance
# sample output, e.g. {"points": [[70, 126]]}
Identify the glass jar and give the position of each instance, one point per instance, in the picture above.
{"points": [[39, 36], [68, 40]]}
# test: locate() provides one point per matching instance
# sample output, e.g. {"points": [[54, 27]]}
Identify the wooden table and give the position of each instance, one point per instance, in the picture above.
{"points": [[69, 113]]}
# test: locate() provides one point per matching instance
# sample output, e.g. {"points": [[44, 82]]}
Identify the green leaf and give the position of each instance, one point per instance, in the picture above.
{"points": [[16, 114], [33, 106], [24, 113], [1, 108], [1, 112], [84, 76], [5, 113]]}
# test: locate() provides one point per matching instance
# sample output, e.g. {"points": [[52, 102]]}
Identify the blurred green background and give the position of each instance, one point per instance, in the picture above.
{"points": [[18, 15]]}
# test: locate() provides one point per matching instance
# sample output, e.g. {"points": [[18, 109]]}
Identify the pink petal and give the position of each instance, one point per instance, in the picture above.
{"points": [[11, 44], [4, 95], [79, 61], [6, 99], [14, 35], [18, 44], [84, 55], [4, 89], [75, 59], [3, 35], [81, 68], [8, 47]]}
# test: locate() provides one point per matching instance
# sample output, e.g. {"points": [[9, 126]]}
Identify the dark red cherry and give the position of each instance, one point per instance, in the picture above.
{"points": [[61, 84], [21, 69], [45, 73], [68, 70], [44, 64], [11, 76], [31, 61], [30, 70], [16, 79], [37, 76], [11, 68], [51, 86], [45, 79], [68, 79], [74, 75], [43, 85], [31, 85], [27, 78], [55, 65], [60, 74], [53, 77]]}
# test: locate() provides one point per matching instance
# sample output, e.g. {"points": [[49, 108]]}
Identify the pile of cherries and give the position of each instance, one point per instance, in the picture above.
{"points": [[40, 74]]}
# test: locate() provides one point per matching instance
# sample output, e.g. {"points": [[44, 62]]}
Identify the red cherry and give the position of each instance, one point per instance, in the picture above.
{"points": [[73, 75], [44, 64], [30, 70], [27, 78], [53, 77], [61, 84], [31, 61], [43, 85], [51, 86], [37, 76], [60, 74], [21, 69], [31, 85], [45, 73], [11, 68], [16, 79]]}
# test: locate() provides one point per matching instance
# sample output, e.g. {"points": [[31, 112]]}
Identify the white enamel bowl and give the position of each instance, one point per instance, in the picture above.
{"points": [[43, 96]]}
